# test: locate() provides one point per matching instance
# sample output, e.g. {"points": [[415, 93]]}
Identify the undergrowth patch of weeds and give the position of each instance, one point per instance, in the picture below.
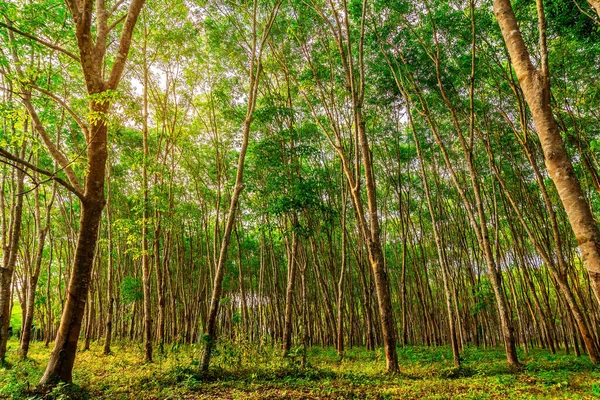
{"points": [[246, 371]]}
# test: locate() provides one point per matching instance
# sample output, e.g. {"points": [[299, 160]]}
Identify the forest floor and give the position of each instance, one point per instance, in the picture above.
{"points": [[244, 372]]}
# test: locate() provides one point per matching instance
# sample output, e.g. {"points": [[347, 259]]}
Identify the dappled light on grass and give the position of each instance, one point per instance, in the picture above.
{"points": [[245, 372]]}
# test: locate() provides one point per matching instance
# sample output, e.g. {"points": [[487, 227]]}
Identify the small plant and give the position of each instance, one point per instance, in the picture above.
{"points": [[67, 391], [12, 387]]}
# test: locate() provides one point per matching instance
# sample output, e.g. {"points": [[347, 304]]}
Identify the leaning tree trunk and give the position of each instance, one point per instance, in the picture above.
{"points": [[211, 325], [255, 71], [33, 279], [92, 57], [536, 88], [60, 365], [595, 4]]}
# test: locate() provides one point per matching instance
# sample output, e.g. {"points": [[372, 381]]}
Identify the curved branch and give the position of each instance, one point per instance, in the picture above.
{"points": [[64, 105], [590, 16], [56, 154], [115, 23], [51, 175], [41, 41]]}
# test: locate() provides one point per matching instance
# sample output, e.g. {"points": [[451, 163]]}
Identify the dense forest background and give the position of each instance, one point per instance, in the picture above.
{"points": [[298, 173]]}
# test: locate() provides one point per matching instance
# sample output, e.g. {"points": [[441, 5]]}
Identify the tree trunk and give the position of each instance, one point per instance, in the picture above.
{"points": [[340, 294], [536, 88], [110, 266], [60, 365], [33, 279], [289, 292], [255, 72], [145, 252], [595, 6], [10, 259]]}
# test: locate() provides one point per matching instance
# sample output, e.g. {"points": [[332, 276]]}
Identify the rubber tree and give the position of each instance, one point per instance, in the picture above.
{"points": [[258, 41], [535, 83], [94, 23]]}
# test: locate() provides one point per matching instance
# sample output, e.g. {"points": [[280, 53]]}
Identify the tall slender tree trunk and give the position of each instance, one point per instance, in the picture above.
{"points": [[255, 72], [289, 291], [110, 266], [160, 284], [340, 293], [304, 312], [535, 84], [243, 295], [439, 247], [9, 260], [146, 266], [37, 265], [371, 230]]}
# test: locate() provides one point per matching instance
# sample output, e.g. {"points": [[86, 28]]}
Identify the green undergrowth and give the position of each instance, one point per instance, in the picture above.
{"points": [[243, 371]]}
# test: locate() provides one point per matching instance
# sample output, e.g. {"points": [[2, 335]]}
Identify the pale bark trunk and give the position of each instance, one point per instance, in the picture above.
{"points": [[557, 272], [304, 313], [243, 302], [372, 233], [340, 294], [49, 319], [211, 325], [382, 284], [369, 231], [160, 285], [595, 6], [439, 247], [536, 88]]}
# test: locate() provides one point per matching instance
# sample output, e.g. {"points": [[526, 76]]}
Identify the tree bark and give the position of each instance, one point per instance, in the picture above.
{"points": [[110, 278], [33, 279], [289, 291], [10, 260], [536, 88], [255, 72], [60, 364], [595, 4], [340, 294], [145, 199]]}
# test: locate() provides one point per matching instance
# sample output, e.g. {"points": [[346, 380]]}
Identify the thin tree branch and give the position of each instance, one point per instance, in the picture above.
{"points": [[51, 175], [117, 22], [64, 105], [41, 41], [124, 43], [115, 7]]}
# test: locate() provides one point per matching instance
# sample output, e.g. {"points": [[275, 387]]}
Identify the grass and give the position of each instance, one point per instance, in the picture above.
{"points": [[242, 371]]}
